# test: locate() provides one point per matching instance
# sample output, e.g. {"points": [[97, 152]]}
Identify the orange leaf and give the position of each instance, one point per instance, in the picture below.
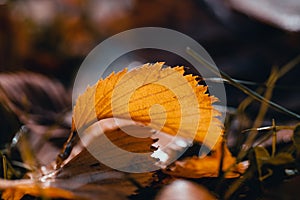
{"points": [[207, 166], [161, 98], [17, 192]]}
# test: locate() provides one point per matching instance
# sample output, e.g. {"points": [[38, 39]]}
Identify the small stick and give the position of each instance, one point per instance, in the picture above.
{"points": [[243, 88], [274, 140], [4, 163]]}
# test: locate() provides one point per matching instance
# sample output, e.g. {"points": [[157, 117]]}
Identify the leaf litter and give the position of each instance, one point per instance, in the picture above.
{"points": [[80, 175]]}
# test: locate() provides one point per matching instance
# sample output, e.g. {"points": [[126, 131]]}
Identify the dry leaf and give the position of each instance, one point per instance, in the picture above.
{"points": [[16, 193], [162, 99], [16, 189], [208, 166], [40, 104], [83, 176], [86, 171], [34, 98]]}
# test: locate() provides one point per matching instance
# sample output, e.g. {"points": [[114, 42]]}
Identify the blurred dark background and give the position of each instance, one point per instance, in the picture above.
{"points": [[54, 36]]}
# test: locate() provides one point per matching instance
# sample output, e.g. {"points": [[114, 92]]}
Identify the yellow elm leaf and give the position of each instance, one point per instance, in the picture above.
{"points": [[162, 98]]}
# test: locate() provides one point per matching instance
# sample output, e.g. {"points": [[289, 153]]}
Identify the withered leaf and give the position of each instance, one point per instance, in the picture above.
{"points": [[83, 176], [39, 103], [267, 164], [208, 166], [183, 104]]}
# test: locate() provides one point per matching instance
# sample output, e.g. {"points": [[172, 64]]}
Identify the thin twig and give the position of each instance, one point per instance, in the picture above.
{"points": [[269, 128], [243, 88], [252, 83], [4, 165], [274, 140], [261, 114]]}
